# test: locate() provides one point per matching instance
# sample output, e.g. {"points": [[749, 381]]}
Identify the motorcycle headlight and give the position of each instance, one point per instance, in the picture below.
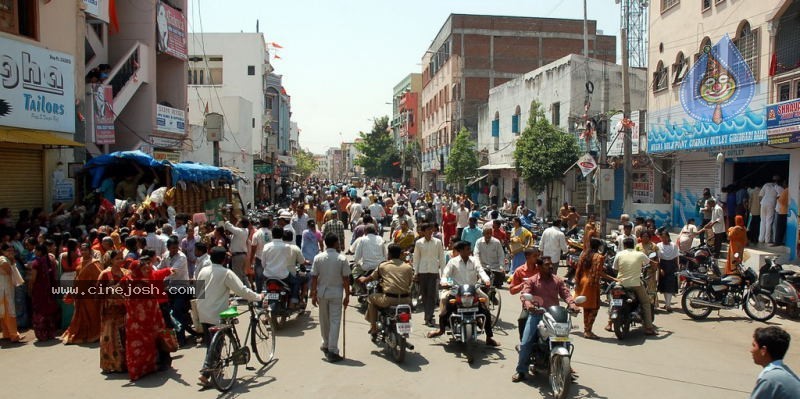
{"points": [[467, 300], [561, 329]]}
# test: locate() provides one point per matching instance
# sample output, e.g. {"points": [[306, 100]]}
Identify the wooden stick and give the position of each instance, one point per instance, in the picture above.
{"points": [[344, 332]]}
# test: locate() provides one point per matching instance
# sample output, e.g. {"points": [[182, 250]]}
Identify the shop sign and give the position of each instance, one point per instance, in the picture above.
{"points": [[171, 32], [643, 185], [103, 114], [171, 120], [173, 157], [63, 191], [38, 87], [262, 168], [97, 8], [721, 105], [783, 122]]}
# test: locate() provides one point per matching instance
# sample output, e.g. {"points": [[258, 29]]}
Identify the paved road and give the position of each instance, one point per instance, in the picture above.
{"points": [[688, 360]]}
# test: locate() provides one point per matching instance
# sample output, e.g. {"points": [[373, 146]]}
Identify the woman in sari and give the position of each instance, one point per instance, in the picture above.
{"points": [[144, 321], [521, 239], [404, 237], [737, 241], [648, 247], [85, 325], [112, 317], [10, 278], [68, 263], [45, 307], [590, 269]]}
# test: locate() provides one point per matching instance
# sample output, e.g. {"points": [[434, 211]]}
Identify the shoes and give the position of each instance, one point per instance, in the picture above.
{"points": [[435, 333], [492, 342], [204, 382], [334, 357], [430, 324], [517, 377], [324, 350]]}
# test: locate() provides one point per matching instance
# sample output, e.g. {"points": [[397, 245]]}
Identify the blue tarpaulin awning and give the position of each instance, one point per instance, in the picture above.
{"points": [[185, 171]]}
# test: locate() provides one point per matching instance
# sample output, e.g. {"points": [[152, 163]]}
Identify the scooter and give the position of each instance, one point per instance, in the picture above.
{"points": [[783, 285]]}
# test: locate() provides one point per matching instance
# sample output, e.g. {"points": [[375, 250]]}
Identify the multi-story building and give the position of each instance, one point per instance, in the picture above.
{"points": [[228, 76], [41, 101], [405, 118], [724, 90], [335, 164], [561, 90], [474, 53], [322, 171]]}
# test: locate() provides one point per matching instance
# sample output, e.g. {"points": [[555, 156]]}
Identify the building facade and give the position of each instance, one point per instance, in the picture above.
{"points": [[721, 103], [474, 53], [405, 121], [561, 90]]}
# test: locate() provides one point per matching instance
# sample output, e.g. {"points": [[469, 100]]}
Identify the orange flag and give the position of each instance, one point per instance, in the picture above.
{"points": [[277, 57], [276, 45], [113, 26]]}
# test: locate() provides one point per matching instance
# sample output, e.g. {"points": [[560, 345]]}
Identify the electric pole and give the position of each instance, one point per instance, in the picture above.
{"points": [[626, 114]]}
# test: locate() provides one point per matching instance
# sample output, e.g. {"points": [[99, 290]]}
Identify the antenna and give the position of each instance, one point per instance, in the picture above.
{"points": [[633, 18]]}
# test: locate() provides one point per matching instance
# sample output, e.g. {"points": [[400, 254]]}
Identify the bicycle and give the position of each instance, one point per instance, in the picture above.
{"points": [[226, 353], [495, 302]]}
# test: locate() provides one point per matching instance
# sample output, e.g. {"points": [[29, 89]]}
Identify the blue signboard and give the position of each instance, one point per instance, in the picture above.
{"points": [[783, 122]]}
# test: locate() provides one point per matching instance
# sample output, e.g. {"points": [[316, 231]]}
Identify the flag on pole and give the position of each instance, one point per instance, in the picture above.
{"points": [[276, 45], [277, 57]]}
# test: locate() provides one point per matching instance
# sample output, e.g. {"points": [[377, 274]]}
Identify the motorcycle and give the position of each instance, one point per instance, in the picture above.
{"points": [[466, 323], [278, 298], [553, 349], [394, 327], [624, 306], [730, 292], [783, 285]]}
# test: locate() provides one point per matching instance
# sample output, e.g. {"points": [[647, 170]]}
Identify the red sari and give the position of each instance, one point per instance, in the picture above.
{"points": [[143, 324], [45, 307], [112, 323]]}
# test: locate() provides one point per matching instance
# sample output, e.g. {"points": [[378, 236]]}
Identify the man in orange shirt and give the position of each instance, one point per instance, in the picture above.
{"points": [[527, 270], [343, 213]]}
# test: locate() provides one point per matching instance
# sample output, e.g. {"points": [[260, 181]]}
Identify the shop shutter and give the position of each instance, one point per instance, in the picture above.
{"points": [[697, 175], [22, 180]]}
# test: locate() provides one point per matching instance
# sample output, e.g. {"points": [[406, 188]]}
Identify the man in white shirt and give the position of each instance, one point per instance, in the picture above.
{"points": [[356, 212], [154, 242], [769, 198], [462, 270], [203, 259], [541, 212], [462, 218], [717, 225], [280, 259], [554, 243], [261, 237], [212, 300], [379, 214], [493, 194], [369, 253], [177, 282], [239, 247], [428, 261], [627, 232], [299, 223], [489, 254]]}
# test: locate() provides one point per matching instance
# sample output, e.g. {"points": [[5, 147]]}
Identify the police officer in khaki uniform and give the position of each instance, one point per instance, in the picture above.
{"points": [[395, 278]]}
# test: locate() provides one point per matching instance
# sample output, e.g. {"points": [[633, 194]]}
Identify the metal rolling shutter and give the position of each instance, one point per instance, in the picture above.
{"points": [[22, 180], [697, 175]]}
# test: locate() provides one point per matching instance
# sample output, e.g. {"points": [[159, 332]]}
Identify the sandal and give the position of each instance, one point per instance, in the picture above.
{"points": [[589, 335], [608, 328]]}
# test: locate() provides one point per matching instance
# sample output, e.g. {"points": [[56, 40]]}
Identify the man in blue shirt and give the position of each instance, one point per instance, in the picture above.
{"points": [[472, 233], [777, 380]]}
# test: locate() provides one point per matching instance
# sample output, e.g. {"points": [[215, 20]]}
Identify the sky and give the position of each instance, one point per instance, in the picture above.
{"points": [[341, 58]]}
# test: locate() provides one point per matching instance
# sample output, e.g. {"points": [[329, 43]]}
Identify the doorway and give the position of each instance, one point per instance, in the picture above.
{"points": [[755, 171]]}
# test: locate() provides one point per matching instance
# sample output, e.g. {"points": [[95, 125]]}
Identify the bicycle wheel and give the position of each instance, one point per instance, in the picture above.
{"points": [[223, 369], [496, 308], [263, 338]]}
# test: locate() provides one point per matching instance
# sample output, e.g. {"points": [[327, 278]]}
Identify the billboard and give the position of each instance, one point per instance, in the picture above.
{"points": [[783, 122], [616, 136], [170, 120], [103, 114], [171, 31], [38, 87]]}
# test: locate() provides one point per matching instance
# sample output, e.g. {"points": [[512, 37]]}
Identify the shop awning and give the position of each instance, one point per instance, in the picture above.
{"points": [[496, 166], [477, 179], [23, 136]]}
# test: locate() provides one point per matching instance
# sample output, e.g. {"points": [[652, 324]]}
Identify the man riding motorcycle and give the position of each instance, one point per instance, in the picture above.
{"points": [[549, 287], [395, 278], [463, 270]]}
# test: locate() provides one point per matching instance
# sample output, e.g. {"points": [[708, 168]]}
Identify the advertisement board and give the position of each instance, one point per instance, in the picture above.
{"points": [[643, 186], [97, 9], [616, 137], [170, 120], [103, 114], [783, 122], [171, 31], [38, 87]]}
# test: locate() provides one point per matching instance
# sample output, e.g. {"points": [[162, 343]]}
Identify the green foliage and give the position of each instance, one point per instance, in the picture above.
{"points": [[463, 161], [544, 152], [306, 164], [378, 155]]}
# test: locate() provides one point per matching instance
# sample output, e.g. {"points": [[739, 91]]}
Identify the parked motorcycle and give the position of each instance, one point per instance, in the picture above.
{"points": [[466, 323], [783, 285], [394, 327], [730, 292], [624, 307], [697, 264], [553, 349], [278, 298]]}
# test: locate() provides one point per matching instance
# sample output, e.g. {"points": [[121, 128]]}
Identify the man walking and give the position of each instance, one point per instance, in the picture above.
{"points": [[776, 380], [330, 290], [717, 225], [769, 198], [429, 261], [238, 247], [553, 243]]}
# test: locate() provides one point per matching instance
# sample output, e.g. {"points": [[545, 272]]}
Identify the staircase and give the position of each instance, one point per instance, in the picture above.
{"points": [[128, 75]]}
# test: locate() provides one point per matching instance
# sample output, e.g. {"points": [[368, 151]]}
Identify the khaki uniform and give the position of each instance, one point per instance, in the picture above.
{"points": [[395, 278]]}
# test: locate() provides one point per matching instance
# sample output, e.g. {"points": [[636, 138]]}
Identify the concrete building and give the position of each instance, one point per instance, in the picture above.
{"points": [[560, 88], [722, 102], [335, 164], [322, 171], [405, 118], [228, 75], [41, 101], [474, 53]]}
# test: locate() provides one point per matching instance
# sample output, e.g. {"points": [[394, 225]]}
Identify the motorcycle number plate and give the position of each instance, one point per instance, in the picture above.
{"points": [[273, 295], [559, 339], [404, 328], [467, 310], [616, 302]]}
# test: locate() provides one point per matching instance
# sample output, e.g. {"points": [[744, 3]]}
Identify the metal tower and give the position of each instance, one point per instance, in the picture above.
{"points": [[633, 17]]}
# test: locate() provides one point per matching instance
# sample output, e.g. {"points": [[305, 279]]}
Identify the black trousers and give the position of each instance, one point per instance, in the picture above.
{"points": [[780, 228], [752, 229], [179, 303], [718, 238], [444, 318]]}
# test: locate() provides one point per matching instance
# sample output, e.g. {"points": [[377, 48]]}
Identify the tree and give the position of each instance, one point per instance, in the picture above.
{"points": [[412, 156], [463, 161], [306, 164], [544, 152], [377, 153]]}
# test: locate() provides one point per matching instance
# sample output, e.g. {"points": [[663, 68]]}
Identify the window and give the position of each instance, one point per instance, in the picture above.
{"points": [[515, 121], [496, 130], [679, 68], [20, 17], [667, 4], [251, 70], [204, 71], [197, 76], [747, 43], [785, 91], [706, 4], [660, 77], [269, 101], [556, 113]]}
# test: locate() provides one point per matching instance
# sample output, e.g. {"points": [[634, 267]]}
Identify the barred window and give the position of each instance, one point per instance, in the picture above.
{"points": [[660, 77], [747, 43], [679, 68], [667, 4]]}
